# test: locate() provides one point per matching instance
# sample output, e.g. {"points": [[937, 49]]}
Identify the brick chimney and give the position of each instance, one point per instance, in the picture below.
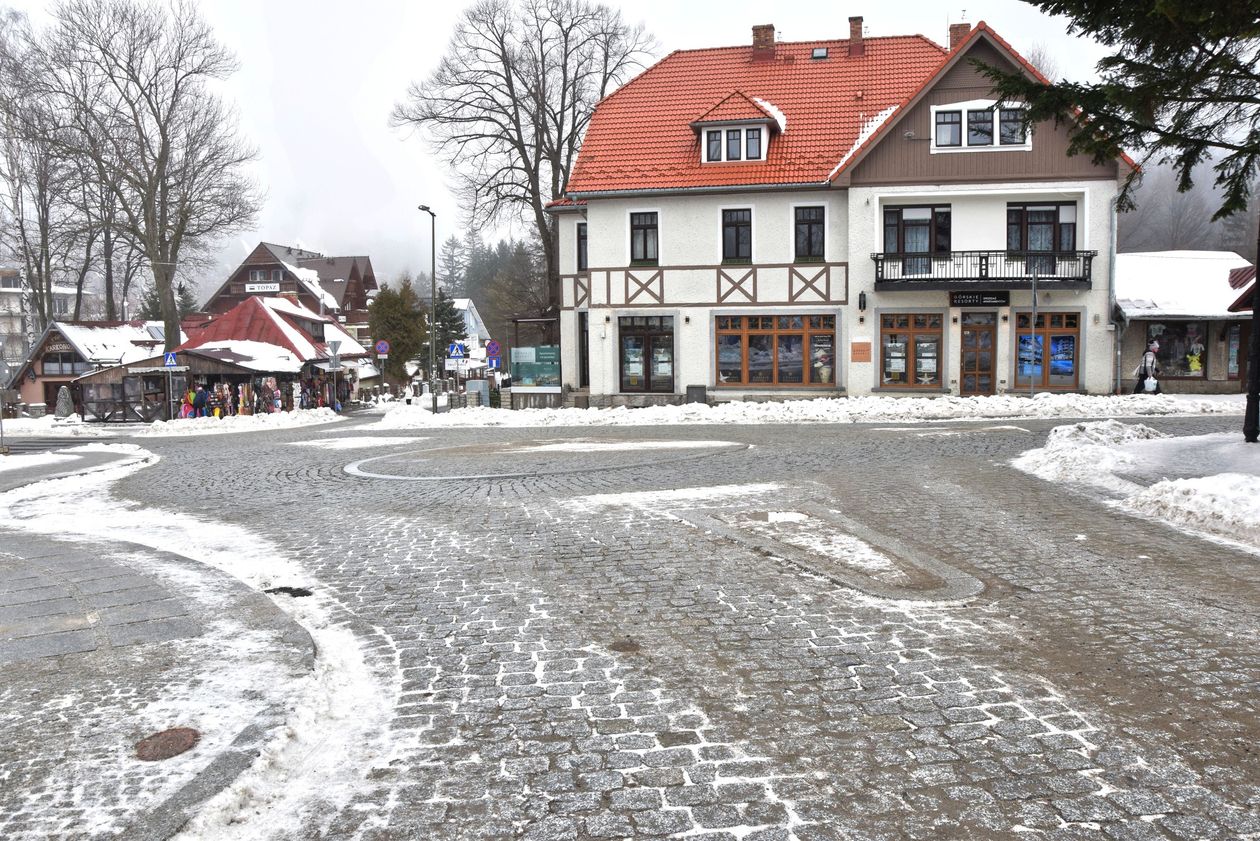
{"points": [[856, 46], [763, 41], [958, 32]]}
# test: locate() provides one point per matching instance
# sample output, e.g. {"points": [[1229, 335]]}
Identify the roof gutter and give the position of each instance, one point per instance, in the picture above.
{"points": [[665, 191]]}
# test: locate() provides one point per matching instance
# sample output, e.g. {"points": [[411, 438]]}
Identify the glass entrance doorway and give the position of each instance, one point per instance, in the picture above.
{"points": [[647, 353], [979, 337]]}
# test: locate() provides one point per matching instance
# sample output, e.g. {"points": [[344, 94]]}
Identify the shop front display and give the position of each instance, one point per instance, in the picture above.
{"points": [[1047, 350], [646, 351], [1182, 349], [776, 350], [910, 349]]}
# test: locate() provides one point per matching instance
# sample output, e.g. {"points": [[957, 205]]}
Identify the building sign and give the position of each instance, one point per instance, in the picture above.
{"points": [[859, 351], [979, 299], [262, 287], [58, 347]]}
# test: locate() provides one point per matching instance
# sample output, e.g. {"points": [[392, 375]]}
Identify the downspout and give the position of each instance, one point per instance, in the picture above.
{"points": [[1120, 323]]}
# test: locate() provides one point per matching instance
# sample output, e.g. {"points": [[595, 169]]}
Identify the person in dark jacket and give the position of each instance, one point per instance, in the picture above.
{"points": [[199, 402], [1148, 368]]}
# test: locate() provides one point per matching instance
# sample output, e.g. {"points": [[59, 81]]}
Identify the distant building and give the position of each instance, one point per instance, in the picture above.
{"points": [[333, 286], [1181, 300], [474, 326], [12, 324]]}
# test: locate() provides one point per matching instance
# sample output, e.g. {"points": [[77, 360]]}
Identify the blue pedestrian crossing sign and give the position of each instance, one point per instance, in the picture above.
{"points": [[492, 363], [169, 361], [456, 350]]}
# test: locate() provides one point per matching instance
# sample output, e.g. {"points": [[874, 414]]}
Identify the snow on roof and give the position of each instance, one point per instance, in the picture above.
{"points": [[310, 279], [1175, 284], [868, 130], [779, 116], [256, 356], [111, 342]]}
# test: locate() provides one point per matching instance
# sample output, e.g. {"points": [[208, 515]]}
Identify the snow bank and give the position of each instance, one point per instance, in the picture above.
{"points": [[358, 443], [50, 427], [1208, 484], [825, 410], [238, 423], [27, 460]]}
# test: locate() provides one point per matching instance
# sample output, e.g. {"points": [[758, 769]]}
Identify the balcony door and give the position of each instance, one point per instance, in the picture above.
{"points": [[979, 337]]}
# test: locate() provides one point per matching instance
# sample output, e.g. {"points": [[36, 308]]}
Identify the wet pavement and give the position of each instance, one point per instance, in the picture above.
{"points": [[806, 632]]}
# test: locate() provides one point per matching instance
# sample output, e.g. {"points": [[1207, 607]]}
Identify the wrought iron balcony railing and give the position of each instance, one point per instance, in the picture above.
{"points": [[992, 269]]}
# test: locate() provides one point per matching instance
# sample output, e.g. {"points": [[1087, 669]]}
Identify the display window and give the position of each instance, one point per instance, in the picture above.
{"points": [[1182, 350], [910, 349], [646, 353], [1047, 350], [770, 350]]}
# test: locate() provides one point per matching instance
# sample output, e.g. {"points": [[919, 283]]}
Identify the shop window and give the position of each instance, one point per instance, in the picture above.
{"points": [[786, 350], [910, 350], [1233, 350], [810, 234], [1047, 350], [643, 239], [1182, 348], [646, 353]]}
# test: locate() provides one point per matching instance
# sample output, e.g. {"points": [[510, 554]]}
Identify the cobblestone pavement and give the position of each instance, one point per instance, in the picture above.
{"points": [[850, 632]]}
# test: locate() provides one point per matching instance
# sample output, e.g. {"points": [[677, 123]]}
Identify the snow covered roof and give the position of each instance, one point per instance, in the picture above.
{"points": [[113, 342], [278, 322], [256, 356], [310, 279], [1176, 284]]}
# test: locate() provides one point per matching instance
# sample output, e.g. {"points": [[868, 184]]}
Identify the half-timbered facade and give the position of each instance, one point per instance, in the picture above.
{"points": [[851, 216]]}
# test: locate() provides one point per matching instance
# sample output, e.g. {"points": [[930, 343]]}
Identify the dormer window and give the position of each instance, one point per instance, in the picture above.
{"points": [[978, 126], [743, 143]]}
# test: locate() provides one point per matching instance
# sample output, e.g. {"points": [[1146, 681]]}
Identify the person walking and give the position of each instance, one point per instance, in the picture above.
{"points": [[1148, 370]]}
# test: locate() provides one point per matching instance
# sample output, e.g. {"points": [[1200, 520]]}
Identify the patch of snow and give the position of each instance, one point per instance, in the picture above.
{"points": [[256, 356], [659, 499], [1163, 284], [27, 460], [358, 443], [1087, 453], [338, 726], [618, 446], [310, 279], [238, 423], [50, 427], [786, 517], [779, 117], [868, 129], [823, 410]]}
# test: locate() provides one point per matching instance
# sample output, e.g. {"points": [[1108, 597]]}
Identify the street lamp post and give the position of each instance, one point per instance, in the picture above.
{"points": [[432, 304]]}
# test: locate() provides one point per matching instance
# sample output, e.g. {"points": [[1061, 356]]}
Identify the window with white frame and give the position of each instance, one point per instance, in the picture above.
{"points": [[734, 143], [979, 125], [265, 275]]}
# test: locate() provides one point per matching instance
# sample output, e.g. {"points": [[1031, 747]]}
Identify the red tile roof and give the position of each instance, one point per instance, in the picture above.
{"points": [[735, 107], [641, 138], [272, 321]]}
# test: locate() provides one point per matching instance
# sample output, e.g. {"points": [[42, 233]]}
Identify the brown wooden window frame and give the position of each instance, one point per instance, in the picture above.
{"points": [[1050, 326], [912, 325], [815, 355]]}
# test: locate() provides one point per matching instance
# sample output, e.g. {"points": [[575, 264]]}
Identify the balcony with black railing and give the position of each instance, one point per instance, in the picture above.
{"points": [[987, 269]]}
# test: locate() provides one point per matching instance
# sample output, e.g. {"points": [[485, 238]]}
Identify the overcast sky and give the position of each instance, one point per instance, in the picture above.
{"points": [[318, 80]]}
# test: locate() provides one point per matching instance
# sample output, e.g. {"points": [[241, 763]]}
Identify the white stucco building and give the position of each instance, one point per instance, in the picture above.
{"points": [[854, 216]]}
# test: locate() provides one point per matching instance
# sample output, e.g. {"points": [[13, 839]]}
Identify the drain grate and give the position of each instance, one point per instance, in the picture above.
{"points": [[166, 744], [295, 592]]}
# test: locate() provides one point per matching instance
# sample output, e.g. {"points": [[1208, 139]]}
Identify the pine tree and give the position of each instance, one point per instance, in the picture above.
{"points": [[452, 264], [186, 300], [150, 304], [450, 328], [397, 316]]}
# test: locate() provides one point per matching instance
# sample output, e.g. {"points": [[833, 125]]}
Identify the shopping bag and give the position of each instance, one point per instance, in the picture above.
{"points": [[1150, 385]]}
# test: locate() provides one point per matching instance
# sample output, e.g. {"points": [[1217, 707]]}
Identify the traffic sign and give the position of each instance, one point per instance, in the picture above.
{"points": [[333, 346], [382, 347], [456, 350], [169, 361], [493, 363], [492, 348]]}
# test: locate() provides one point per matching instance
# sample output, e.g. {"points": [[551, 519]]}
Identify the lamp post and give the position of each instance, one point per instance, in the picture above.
{"points": [[432, 304]]}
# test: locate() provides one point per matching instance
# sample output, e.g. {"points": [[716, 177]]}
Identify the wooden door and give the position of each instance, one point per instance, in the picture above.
{"points": [[979, 338]]}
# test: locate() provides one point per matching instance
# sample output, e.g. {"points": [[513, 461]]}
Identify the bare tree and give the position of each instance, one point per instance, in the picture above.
{"points": [[1040, 56], [1164, 219], [510, 101], [130, 85]]}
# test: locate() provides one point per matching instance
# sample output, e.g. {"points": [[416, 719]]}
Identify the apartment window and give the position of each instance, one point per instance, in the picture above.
{"points": [[1054, 339], [1011, 127], [948, 128], [736, 236], [61, 306], [714, 139], [63, 363], [734, 140], [643, 239], [581, 246], [980, 128], [792, 350], [752, 143], [911, 231], [266, 275], [810, 234], [910, 349], [1049, 227], [11, 282]]}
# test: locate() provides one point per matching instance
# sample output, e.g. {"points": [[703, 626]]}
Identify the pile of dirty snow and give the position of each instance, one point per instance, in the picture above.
{"points": [[238, 423], [51, 427], [1087, 453]]}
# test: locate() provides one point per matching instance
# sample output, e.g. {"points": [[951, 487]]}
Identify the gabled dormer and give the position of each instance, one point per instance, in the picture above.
{"points": [[738, 129]]}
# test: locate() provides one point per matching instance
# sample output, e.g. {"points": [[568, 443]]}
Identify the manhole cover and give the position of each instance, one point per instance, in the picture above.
{"points": [[625, 646], [166, 744], [295, 592]]}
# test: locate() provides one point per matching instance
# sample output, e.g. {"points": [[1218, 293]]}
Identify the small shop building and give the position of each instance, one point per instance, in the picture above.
{"points": [[1180, 301], [67, 350]]}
